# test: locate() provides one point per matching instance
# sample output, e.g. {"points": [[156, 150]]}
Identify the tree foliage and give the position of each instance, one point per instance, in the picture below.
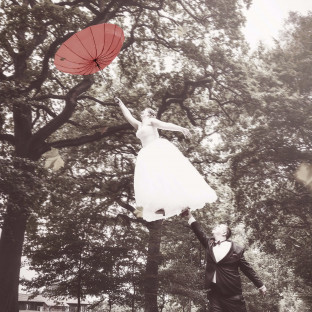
{"points": [[187, 60], [43, 108], [270, 143]]}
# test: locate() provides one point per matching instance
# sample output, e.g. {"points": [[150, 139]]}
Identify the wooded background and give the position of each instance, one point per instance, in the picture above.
{"points": [[250, 116]]}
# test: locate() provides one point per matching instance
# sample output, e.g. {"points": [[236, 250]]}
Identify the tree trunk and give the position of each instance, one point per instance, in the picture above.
{"points": [[79, 290], [12, 237], [11, 245], [152, 263], [15, 219]]}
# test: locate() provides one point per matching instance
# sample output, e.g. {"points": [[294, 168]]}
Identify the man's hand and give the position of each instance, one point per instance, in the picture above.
{"points": [[262, 290], [117, 100]]}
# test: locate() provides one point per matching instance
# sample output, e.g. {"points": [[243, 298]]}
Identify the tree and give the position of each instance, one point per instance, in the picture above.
{"points": [[75, 247], [269, 143], [40, 107]]}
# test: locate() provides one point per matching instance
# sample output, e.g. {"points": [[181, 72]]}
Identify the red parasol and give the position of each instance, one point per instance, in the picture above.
{"points": [[90, 49]]}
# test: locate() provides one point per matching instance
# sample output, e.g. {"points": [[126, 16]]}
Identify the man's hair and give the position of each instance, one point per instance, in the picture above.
{"points": [[228, 232]]}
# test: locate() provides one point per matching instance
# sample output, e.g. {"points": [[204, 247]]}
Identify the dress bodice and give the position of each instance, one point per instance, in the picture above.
{"points": [[147, 134]]}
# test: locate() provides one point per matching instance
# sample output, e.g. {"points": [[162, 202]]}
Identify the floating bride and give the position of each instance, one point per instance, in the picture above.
{"points": [[165, 182]]}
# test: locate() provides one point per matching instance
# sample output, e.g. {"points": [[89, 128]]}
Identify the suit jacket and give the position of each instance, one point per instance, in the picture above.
{"points": [[227, 274]]}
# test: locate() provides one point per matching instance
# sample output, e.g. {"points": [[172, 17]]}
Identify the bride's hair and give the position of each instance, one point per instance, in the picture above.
{"points": [[151, 112]]}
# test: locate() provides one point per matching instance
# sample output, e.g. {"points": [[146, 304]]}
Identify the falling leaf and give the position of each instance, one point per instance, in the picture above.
{"points": [[181, 31], [53, 159], [304, 174]]}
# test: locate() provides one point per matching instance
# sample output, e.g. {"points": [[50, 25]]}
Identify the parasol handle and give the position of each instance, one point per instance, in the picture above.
{"points": [[98, 65]]}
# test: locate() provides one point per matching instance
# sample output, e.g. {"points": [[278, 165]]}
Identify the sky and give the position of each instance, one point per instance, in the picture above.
{"points": [[265, 18]]}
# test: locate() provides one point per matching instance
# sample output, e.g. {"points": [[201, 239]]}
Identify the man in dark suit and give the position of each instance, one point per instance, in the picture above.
{"points": [[222, 278]]}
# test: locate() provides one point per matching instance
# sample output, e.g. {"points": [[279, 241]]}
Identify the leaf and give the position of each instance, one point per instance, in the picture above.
{"points": [[53, 160], [304, 174]]}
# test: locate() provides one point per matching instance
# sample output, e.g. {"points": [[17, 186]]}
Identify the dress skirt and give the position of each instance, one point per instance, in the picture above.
{"points": [[165, 179]]}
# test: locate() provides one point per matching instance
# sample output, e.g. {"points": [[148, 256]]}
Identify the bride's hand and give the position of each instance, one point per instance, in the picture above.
{"points": [[186, 132]]}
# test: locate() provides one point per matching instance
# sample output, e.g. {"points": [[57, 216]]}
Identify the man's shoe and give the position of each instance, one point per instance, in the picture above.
{"points": [[184, 212]]}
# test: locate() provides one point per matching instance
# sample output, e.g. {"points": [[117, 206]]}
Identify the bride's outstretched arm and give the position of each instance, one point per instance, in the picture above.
{"points": [[125, 111], [170, 126]]}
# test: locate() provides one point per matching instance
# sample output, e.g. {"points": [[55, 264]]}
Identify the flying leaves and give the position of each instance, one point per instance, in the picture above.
{"points": [[53, 160], [304, 174]]}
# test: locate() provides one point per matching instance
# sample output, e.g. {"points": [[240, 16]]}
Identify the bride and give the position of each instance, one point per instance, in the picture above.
{"points": [[165, 182]]}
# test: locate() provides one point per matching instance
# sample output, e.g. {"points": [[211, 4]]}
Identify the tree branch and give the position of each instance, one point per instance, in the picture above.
{"points": [[49, 96], [89, 97], [63, 3], [36, 84], [9, 138], [71, 102], [147, 7], [52, 114], [104, 15], [220, 105], [188, 89], [131, 209], [90, 138]]}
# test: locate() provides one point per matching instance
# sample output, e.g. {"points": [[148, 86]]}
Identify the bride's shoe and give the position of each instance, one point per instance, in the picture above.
{"points": [[161, 211], [138, 212]]}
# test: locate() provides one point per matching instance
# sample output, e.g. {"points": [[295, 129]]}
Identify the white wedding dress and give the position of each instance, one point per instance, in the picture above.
{"points": [[165, 179]]}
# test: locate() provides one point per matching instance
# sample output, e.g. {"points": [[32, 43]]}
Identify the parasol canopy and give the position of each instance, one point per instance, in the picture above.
{"points": [[90, 49]]}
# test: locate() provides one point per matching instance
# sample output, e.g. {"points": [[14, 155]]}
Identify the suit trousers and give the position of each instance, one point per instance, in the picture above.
{"points": [[219, 303]]}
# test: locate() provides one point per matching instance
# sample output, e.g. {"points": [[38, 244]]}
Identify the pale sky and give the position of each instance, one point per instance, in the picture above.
{"points": [[265, 18]]}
